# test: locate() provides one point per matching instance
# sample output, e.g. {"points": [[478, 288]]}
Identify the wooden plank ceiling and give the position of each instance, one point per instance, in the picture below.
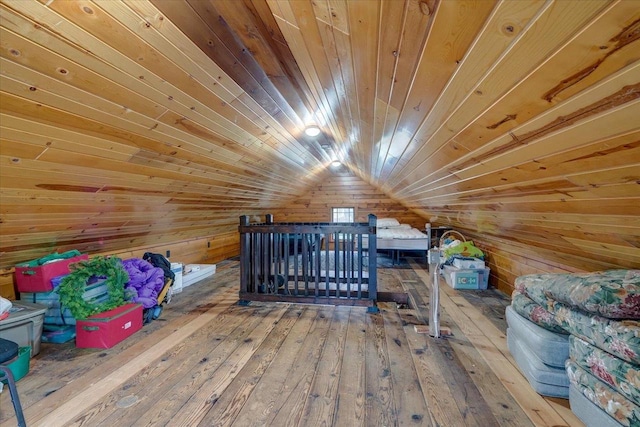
{"points": [[135, 122]]}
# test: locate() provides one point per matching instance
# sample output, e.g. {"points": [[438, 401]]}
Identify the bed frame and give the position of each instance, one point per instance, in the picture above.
{"points": [[323, 263]]}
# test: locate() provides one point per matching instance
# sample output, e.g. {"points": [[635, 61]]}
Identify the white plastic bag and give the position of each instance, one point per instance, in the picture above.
{"points": [[5, 305]]}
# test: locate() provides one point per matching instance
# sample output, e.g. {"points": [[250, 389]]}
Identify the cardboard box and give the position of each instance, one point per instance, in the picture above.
{"points": [[38, 279], [24, 325], [463, 278], [104, 330]]}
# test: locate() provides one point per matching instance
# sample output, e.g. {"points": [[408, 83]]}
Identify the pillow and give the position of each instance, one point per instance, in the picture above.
{"points": [[387, 222]]}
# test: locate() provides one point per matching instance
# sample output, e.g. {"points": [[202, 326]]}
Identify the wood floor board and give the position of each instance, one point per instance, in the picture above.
{"points": [[208, 361], [175, 365], [214, 385], [226, 407], [291, 399], [489, 392], [198, 373], [440, 400], [320, 404], [71, 363], [378, 386], [350, 401], [62, 405], [492, 345], [472, 406], [267, 394], [410, 407]]}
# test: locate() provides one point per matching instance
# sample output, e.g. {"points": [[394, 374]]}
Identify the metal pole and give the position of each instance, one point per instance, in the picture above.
{"points": [[434, 296]]}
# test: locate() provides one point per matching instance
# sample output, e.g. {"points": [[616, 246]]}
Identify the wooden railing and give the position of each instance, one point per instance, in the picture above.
{"points": [[323, 263]]}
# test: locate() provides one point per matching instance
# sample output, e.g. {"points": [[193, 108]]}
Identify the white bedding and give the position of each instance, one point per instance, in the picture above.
{"points": [[400, 237], [400, 232]]}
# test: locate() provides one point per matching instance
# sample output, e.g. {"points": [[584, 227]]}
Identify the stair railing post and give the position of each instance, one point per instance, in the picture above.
{"points": [[245, 254], [373, 274]]}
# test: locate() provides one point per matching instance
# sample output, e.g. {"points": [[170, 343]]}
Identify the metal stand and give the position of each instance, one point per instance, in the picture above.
{"points": [[434, 296], [7, 375]]}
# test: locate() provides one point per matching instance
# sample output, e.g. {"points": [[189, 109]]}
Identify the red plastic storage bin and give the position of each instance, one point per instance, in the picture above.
{"points": [[106, 329], [38, 279]]}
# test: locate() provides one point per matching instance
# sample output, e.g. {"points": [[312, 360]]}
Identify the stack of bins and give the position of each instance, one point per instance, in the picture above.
{"points": [[56, 315], [36, 281]]}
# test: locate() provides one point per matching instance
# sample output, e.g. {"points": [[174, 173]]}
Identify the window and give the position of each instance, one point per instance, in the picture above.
{"points": [[343, 214]]}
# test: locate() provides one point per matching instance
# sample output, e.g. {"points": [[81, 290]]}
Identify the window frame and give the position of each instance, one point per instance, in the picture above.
{"points": [[348, 209]]}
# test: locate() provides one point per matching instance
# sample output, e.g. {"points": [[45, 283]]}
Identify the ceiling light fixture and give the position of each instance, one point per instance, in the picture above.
{"points": [[312, 130], [336, 163]]}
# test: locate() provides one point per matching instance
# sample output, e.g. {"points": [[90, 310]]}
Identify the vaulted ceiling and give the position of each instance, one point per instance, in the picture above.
{"points": [[506, 117]]}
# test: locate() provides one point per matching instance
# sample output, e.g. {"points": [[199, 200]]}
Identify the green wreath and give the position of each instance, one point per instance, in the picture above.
{"points": [[73, 286]]}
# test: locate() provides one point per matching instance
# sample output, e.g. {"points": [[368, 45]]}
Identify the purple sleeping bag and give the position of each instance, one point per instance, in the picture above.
{"points": [[145, 281]]}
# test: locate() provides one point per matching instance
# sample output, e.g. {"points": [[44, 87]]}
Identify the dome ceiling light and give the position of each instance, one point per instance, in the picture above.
{"points": [[312, 130]]}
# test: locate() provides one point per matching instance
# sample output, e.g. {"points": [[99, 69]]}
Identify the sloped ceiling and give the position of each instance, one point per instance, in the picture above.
{"points": [[123, 119]]}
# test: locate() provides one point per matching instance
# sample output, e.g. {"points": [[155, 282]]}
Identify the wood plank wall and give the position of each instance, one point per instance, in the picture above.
{"points": [[506, 258], [205, 250], [345, 190]]}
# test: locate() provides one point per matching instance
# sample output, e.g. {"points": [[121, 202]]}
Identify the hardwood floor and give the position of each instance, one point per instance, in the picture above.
{"points": [[211, 362]]}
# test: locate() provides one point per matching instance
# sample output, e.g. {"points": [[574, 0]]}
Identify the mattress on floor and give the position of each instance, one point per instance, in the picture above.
{"points": [[550, 347], [534, 312], [618, 337], [544, 379], [622, 376], [606, 398], [614, 294], [588, 412]]}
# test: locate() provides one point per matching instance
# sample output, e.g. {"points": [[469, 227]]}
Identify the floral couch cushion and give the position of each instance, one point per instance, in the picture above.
{"points": [[623, 410], [531, 310], [614, 294], [624, 377], [620, 338]]}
